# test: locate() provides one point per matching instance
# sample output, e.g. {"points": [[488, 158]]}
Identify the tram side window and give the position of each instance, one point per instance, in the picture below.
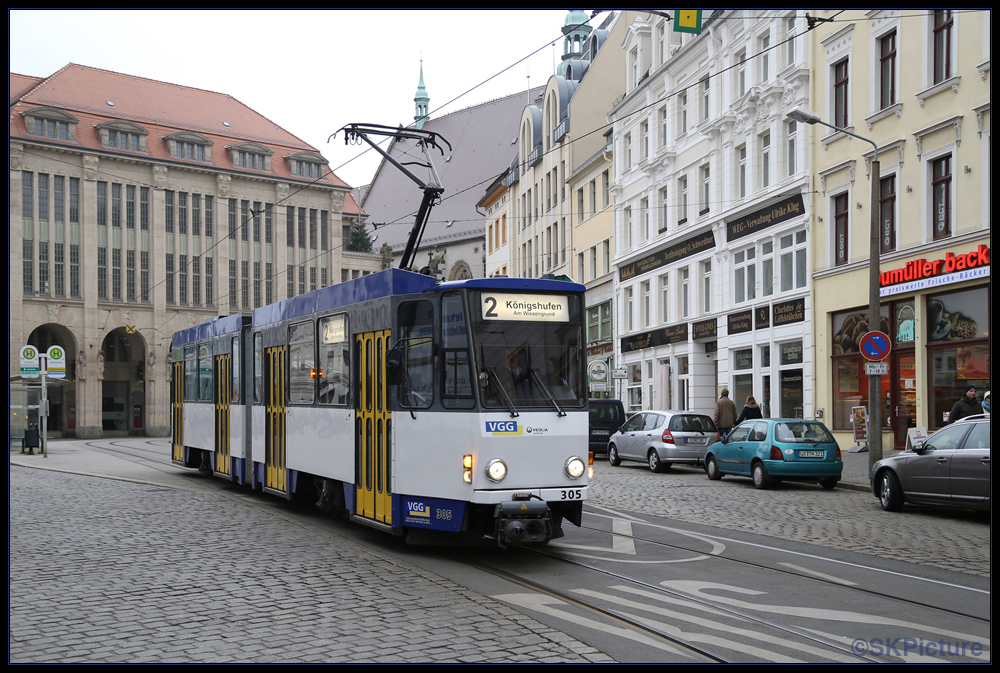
{"points": [[190, 374], [205, 372], [456, 388], [334, 372], [301, 363], [237, 371], [258, 368], [416, 324]]}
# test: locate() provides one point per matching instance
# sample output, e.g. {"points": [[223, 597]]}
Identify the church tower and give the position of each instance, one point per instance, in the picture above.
{"points": [[576, 29], [421, 101]]}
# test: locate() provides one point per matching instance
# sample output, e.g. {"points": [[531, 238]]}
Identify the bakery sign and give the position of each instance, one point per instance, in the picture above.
{"points": [[919, 274]]}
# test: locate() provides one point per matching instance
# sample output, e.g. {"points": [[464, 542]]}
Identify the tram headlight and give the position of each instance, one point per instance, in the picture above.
{"points": [[575, 467], [496, 470], [467, 468]]}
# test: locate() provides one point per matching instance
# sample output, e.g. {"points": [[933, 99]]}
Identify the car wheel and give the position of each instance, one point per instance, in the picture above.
{"points": [[613, 456], [828, 482], [891, 495], [712, 469], [760, 478], [654, 461]]}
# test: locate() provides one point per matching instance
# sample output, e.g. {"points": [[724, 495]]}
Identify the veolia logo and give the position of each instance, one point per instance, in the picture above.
{"points": [[503, 428]]}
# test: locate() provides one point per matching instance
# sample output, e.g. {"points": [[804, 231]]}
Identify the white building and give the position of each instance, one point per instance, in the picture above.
{"points": [[712, 271]]}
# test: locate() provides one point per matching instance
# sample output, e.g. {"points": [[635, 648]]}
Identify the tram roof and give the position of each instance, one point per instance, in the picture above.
{"points": [[373, 286], [531, 284], [206, 330]]}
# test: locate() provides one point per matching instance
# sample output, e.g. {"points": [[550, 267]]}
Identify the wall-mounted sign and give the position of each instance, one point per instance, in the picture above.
{"points": [[762, 317], [706, 329], [659, 337], [740, 322], [920, 268], [789, 311], [765, 217], [674, 253]]}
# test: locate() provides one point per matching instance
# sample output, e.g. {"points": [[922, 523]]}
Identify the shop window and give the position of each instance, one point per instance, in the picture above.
{"points": [[958, 348]]}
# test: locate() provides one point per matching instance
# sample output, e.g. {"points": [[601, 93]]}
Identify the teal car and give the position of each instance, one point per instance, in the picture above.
{"points": [[771, 449]]}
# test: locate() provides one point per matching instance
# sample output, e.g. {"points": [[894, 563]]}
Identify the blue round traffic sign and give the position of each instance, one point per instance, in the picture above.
{"points": [[875, 345]]}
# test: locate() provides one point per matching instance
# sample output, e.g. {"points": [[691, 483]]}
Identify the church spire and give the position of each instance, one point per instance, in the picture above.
{"points": [[421, 101]]}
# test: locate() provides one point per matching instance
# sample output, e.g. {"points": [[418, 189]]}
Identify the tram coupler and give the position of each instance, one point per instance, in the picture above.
{"points": [[523, 522]]}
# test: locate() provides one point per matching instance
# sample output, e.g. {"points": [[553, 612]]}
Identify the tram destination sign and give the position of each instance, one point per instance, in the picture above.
{"points": [[525, 307]]}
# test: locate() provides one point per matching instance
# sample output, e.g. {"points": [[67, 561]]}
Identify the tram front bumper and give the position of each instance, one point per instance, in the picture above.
{"points": [[523, 522]]}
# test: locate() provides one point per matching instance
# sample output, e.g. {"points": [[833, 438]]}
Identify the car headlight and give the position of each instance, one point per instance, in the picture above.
{"points": [[496, 470], [575, 467]]}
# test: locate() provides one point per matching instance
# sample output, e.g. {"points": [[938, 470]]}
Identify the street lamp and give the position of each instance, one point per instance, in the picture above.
{"points": [[874, 315]]}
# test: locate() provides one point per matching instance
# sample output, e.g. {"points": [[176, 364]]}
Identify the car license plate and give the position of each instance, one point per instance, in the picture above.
{"points": [[811, 454], [697, 440], [599, 432]]}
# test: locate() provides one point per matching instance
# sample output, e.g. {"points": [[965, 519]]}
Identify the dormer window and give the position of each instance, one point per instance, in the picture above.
{"points": [[308, 165], [121, 135], [189, 146], [50, 123], [251, 156]]}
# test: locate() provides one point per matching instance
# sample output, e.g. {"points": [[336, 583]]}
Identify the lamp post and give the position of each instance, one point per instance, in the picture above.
{"points": [[874, 314]]}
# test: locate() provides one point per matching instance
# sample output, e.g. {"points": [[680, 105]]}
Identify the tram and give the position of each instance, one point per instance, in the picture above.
{"points": [[442, 412]]}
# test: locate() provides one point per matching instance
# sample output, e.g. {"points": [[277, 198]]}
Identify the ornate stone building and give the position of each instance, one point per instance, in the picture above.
{"points": [[139, 208]]}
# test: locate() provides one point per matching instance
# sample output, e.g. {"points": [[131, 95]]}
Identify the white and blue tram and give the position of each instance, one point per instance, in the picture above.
{"points": [[435, 411]]}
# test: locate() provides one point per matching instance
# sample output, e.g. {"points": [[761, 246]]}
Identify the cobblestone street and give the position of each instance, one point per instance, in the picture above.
{"points": [[111, 571]]}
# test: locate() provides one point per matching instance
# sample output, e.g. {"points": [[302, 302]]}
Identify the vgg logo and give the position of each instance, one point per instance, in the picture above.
{"points": [[503, 427], [416, 507]]}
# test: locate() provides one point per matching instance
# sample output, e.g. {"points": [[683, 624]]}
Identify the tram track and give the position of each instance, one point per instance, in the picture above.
{"points": [[799, 575], [784, 630]]}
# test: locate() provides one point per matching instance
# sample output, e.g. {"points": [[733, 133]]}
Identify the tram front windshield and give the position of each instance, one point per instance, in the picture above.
{"points": [[528, 349]]}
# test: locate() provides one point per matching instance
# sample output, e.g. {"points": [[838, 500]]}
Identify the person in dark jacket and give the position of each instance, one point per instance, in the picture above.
{"points": [[725, 413], [967, 405], [751, 410]]}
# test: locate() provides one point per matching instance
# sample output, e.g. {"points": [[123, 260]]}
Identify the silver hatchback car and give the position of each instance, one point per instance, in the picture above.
{"points": [[662, 438]]}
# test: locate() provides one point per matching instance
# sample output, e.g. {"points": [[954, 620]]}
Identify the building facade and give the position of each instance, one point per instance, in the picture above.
{"points": [[712, 268], [917, 85], [139, 208]]}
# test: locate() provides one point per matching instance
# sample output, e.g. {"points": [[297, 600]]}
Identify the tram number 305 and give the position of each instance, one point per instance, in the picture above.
{"points": [[571, 494], [443, 514]]}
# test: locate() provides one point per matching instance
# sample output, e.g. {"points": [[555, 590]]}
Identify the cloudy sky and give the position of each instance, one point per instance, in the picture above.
{"points": [[312, 72]]}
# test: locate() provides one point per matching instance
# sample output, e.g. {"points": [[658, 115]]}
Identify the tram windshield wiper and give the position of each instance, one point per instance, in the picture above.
{"points": [[545, 389], [492, 372]]}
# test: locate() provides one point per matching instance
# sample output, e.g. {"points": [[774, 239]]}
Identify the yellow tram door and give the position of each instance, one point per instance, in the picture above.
{"points": [[177, 409], [373, 424], [223, 381], [275, 467]]}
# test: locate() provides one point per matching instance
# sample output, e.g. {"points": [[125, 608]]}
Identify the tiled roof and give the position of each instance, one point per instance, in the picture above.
{"points": [[20, 85], [480, 137], [161, 109]]}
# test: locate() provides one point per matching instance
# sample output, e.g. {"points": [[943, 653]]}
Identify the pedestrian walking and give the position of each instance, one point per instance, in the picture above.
{"points": [[725, 413], [750, 410], [986, 403], [967, 405]]}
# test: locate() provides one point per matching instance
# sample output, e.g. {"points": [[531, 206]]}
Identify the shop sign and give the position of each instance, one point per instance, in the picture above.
{"points": [[765, 217], [674, 253], [791, 353], [740, 322], [762, 317], [598, 370], [920, 274], [743, 359], [706, 329], [660, 337], [788, 312]]}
